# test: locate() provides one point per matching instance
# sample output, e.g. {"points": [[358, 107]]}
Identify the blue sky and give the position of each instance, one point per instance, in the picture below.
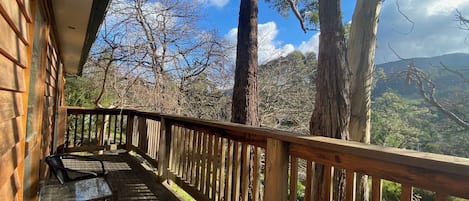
{"points": [[433, 30], [225, 17]]}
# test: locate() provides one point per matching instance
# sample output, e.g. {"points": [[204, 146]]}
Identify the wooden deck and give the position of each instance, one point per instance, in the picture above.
{"points": [[130, 177], [210, 160]]}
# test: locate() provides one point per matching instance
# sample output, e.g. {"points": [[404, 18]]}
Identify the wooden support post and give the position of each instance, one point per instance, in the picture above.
{"points": [[129, 132], [164, 149], [276, 172]]}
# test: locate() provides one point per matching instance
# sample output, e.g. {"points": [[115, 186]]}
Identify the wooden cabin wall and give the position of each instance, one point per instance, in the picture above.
{"points": [[29, 63], [15, 51], [51, 98]]}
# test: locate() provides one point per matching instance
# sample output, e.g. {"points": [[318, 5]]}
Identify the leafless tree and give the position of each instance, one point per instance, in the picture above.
{"points": [[155, 48]]}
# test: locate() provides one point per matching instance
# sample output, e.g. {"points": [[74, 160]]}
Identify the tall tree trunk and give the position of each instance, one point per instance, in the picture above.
{"points": [[244, 106], [331, 113], [361, 53]]}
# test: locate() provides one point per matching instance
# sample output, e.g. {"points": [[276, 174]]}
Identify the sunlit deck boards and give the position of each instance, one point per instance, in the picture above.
{"points": [[129, 177]]}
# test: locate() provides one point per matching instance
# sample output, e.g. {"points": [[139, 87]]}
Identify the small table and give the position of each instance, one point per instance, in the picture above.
{"points": [[89, 189]]}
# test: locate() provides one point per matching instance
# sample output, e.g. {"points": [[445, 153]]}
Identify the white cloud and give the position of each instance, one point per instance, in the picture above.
{"points": [[444, 7], [433, 31], [218, 3], [312, 45], [268, 47]]}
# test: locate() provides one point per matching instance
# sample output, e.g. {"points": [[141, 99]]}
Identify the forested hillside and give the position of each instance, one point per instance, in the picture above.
{"points": [[434, 66], [402, 117]]}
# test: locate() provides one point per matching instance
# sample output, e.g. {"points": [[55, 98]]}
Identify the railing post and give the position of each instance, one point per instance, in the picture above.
{"points": [[130, 130], [164, 149], [276, 172]]}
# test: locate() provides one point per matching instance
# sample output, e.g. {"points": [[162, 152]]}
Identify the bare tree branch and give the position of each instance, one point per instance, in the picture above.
{"points": [[294, 8], [406, 17], [427, 90]]}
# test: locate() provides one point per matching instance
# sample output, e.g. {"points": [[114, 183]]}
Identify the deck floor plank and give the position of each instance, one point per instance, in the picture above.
{"points": [[130, 177]]}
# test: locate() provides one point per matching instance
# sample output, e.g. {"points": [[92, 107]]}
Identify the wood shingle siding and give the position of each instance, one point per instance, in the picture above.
{"points": [[15, 22]]}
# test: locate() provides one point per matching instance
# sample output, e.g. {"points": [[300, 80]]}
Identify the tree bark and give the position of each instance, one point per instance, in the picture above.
{"points": [[331, 114], [361, 53], [244, 107], [245, 97]]}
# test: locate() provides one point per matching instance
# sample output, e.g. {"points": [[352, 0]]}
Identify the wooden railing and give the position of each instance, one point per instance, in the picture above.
{"points": [[95, 129], [222, 161]]}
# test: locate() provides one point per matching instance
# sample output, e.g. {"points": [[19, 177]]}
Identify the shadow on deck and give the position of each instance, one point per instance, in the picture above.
{"points": [[130, 177]]}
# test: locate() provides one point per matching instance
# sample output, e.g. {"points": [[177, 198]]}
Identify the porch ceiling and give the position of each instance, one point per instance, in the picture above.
{"points": [[76, 25]]}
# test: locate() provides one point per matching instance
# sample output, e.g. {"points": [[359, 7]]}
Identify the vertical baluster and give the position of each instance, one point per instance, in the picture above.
{"points": [[158, 137], [257, 174], [198, 152], [108, 137], [150, 138], [97, 129], [229, 170], [173, 149], [293, 178], [309, 181], [185, 152], [129, 132], [135, 133], [192, 156], [236, 171], [121, 129], [406, 192], [221, 180], [376, 188], [441, 196], [82, 132], [209, 166], [115, 130], [327, 183], [203, 167], [76, 128], [350, 185], [67, 137], [181, 151], [90, 128], [168, 134], [215, 166], [189, 155], [245, 171]]}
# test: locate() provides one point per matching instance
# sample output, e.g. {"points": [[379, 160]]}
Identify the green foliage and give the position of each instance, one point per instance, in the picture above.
{"points": [[300, 191], [308, 9], [83, 90], [391, 191], [399, 122]]}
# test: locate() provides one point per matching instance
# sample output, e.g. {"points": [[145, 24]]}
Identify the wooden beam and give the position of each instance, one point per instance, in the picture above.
{"points": [[276, 171]]}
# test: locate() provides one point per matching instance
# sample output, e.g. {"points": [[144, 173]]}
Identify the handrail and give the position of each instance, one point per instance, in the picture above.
{"points": [[212, 160]]}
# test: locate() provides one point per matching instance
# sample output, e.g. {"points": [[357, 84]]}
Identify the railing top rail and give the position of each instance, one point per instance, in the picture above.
{"points": [[449, 164]]}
